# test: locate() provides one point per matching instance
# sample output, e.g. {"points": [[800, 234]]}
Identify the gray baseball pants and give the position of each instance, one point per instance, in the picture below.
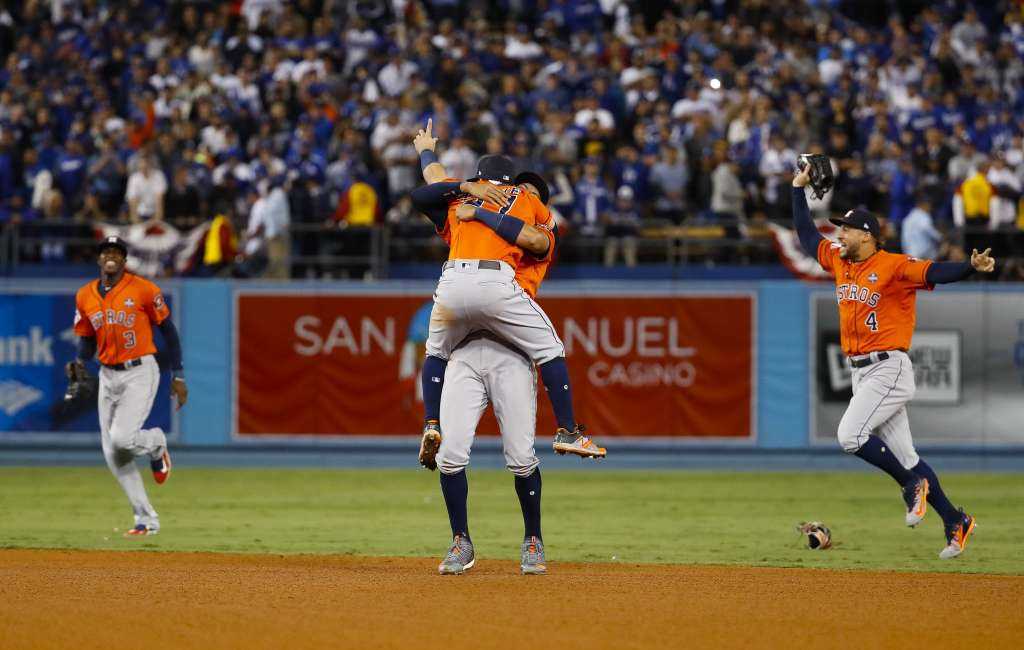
{"points": [[483, 370], [471, 298], [125, 399], [881, 392]]}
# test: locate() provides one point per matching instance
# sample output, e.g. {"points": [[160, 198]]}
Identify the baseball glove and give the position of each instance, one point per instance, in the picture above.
{"points": [[818, 535], [81, 385], [822, 177]]}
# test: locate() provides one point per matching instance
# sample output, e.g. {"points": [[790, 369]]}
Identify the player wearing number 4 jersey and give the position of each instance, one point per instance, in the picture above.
{"points": [[876, 292], [114, 318]]}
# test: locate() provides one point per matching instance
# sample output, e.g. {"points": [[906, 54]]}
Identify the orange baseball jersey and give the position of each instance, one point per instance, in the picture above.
{"points": [[472, 240], [482, 243], [876, 297], [123, 320]]}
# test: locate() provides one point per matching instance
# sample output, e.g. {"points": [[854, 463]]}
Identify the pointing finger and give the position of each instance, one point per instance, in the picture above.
{"points": [[430, 124], [987, 251]]}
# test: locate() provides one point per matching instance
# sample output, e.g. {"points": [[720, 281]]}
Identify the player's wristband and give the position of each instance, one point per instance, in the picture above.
{"points": [[427, 158], [507, 226], [178, 374]]}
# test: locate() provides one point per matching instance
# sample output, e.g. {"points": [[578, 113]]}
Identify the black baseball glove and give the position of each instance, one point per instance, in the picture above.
{"points": [[822, 178], [81, 385]]}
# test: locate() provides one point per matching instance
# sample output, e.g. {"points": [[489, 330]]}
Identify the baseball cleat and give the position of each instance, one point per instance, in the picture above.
{"points": [[142, 530], [915, 495], [957, 536], [531, 557], [161, 467], [429, 444], [574, 442], [459, 559]]}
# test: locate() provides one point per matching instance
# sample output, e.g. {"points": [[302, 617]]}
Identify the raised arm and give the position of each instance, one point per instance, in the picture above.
{"points": [[425, 142], [810, 238]]}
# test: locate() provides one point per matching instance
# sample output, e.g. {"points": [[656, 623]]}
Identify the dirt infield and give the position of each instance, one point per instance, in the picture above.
{"points": [[63, 599]]}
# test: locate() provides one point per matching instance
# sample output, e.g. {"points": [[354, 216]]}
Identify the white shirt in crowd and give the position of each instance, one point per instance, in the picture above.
{"points": [[587, 115], [394, 79], [919, 236], [147, 189], [271, 214], [775, 162], [459, 161], [1002, 210]]}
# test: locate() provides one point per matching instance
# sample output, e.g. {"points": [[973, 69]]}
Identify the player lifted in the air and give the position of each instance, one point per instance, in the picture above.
{"points": [[115, 316], [495, 231], [876, 292]]}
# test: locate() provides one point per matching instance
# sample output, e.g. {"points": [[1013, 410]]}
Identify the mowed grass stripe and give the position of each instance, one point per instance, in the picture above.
{"points": [[632, 517]]}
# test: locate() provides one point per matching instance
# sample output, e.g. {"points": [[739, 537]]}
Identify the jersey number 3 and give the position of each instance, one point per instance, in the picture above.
{"points": [[872, 322], [129, 339]]}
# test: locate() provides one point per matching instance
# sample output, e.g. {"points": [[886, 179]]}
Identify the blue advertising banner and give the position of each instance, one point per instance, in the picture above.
{"points": [[36, 340]]}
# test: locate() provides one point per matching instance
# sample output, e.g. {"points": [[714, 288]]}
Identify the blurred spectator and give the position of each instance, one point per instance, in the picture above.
{"points": [[776, 170], [972, 203], [145, 192], [357, 212], [727, 192], [1006, 188], [919, 236], [669, 177], [623, 225], [459, 159], [267, 231], [182, 206], [593, 200]]}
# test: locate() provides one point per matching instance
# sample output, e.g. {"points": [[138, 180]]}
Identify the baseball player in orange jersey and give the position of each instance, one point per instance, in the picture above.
{"points": [[114, 318], [483, 369], [876, 292], [492, 232]]}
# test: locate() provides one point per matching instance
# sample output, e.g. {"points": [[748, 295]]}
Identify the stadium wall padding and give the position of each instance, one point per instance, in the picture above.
{"points": [[785, 388]]}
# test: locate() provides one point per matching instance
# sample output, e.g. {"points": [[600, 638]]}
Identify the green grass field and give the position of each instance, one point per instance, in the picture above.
{"points": [[674, 517]]}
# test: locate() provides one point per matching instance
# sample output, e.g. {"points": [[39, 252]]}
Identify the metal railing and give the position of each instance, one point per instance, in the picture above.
{"points": [[319, 251]]}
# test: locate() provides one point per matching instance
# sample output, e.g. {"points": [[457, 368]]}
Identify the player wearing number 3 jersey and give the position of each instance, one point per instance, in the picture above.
{"points": [[114, 318], [876, 292]]}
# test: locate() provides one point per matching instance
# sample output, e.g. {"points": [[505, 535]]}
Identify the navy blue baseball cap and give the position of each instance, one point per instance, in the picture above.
{"points": [[113, 241], [537, 181], [495, 167], [860, 219]]}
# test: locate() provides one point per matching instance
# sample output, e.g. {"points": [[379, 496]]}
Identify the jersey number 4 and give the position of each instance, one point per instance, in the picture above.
{"points": [[872, 322]]}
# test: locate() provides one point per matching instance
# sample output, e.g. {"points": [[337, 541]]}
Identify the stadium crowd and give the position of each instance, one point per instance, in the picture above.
{"points": [[292, 121]]}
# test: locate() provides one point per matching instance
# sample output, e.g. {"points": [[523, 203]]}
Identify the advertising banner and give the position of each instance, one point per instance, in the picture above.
{"points": [[672, 365], [968, 357], [36, 340]]}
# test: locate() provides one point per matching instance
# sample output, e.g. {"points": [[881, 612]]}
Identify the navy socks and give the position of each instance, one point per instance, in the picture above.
{"points": [[555, 375], [528, 490], [936, 497], [455, 489], [875, 452], [432, 378]]}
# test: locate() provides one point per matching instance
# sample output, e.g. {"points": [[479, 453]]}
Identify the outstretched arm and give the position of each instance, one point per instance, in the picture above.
{"points": [[947, 272], [810, 238]]}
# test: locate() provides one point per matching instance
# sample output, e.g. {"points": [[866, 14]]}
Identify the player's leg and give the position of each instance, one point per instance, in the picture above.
{"points": [[446, 330], [958, 526], [122, 464], [139, 387], [512, 384], [462, 403], [520, 320], [880, 391]]}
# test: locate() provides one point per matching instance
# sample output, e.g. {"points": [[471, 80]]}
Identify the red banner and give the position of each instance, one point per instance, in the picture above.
{"points": [[349, 364]]}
